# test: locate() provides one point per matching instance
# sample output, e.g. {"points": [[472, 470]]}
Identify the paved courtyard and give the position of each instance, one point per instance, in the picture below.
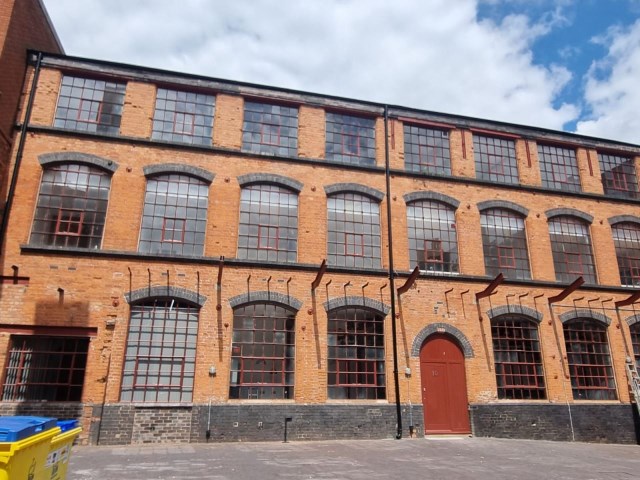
{"points": [[434, 459]]}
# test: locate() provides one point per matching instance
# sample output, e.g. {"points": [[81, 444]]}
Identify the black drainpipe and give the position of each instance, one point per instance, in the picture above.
{"points": [[16, 167], [392, 286]]}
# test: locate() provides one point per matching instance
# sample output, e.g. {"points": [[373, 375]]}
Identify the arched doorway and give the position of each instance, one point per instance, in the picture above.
{"points": [[444, 386]]}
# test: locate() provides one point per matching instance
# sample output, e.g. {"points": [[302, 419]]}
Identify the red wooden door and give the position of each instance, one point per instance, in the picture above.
{"points": [[444, 387]]}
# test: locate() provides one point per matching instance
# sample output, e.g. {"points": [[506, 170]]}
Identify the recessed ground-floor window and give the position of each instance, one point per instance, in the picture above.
{"points": [[45, 368], [262, 353], [356, 354], [589, 360]]}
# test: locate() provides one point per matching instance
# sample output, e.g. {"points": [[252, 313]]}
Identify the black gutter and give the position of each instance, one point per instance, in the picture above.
{"points": [[23, 137], [392, 275]]}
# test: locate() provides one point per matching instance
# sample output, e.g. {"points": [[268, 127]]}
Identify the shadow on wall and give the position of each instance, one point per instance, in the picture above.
{"points": [[62, 313]]}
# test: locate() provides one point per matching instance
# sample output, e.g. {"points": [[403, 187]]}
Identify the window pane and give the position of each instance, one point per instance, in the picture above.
{"points": [[350, 139], [505, 244], [72, 206], [183, 117], [626, 238], [426, 150], [433, 244], [268, 228], [618, 176], [518, 362], [355, 361], [262, 352], [559, 168], [159, 364], [168, 227], [90, 105], [41, 368], [495, 159], [589, 360], [353, 238], [571, 248], [270, 129]]}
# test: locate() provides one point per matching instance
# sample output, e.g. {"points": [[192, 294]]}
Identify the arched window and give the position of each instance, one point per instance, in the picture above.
{"points": [[589, 360], [263, 352], [635, 341], [175, 215], [268, 229], [504, 242], [518, 361], [159, 362], [626, 238], [72, 206], [353, 237], [355, 363], [433, 242], [571, 248]]}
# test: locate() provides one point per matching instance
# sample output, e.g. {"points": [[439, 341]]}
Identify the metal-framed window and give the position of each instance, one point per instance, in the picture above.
{"points": [[619, 177], [355, 361], [504, 242], [518, 361], [271, 129], [71, 207], [90, 105], [635, 342], [45, 368], [263, 352], [268, 229], [571, 248], [626, 238], [426, 150], [353, 237], [159, 364], [350, 139], [184, 117], [589, 360], [175, 215], [559, 168], [495, 159], [433, 242]]}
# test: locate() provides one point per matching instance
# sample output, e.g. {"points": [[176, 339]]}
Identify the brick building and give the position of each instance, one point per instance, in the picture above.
{"points": [[189, 257], [24, 25]]}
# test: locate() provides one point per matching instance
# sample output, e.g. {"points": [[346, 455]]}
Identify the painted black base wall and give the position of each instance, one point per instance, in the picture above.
{"points": [[124, 424], [591, 423]]}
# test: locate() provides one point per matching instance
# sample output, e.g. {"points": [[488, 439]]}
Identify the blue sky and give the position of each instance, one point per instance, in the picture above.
{"points": [[568, 65]]}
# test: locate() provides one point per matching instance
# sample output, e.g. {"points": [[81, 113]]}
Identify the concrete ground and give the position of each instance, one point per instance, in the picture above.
{"points": [[434, 459]]}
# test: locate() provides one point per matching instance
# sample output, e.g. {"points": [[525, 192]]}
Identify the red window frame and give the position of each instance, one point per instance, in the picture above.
{"points": [[348, 136], [568, 256], [160, 361], [589, 360], [495, 167], [267, 135], [506, 257], [356, 241], [517, 358], [635, 341], [180, 122], [90, 110], [172, 230], [430, 159], [433, 252], [69, 222], [45, 367], [269, 230]]}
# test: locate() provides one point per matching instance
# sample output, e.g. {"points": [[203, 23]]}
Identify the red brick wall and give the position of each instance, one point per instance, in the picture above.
{"points": [[23, 25], [95, 285]]}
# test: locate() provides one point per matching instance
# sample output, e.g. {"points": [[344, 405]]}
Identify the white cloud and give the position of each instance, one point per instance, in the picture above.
{"points": [[612, 88], [432, 54]]}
